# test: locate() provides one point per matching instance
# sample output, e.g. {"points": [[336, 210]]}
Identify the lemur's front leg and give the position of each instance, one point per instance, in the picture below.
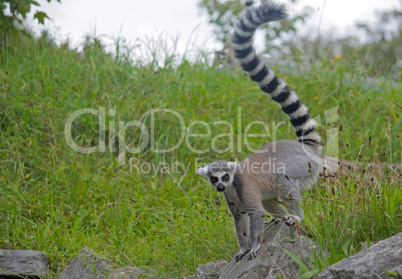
{"points": [[241, 224], [256, 230], [242, 232]]}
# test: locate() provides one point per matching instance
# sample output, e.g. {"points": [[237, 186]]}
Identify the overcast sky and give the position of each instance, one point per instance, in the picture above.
{"points": [[182, 19]]}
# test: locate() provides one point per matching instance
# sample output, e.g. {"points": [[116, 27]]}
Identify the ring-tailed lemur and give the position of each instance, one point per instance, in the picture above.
{"points": [[254, 186]]}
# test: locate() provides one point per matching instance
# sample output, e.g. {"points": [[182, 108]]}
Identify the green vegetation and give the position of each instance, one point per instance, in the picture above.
{"points": [[12, 16], [223, 16], [376, 46], [57, 200]]}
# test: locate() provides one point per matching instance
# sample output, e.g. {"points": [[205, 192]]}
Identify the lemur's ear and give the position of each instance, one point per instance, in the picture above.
{"points": [[232, 166], [202, 171]]}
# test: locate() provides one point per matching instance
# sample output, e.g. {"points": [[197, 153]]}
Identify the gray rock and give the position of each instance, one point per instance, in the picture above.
{"points": [[370, 263], [86, 266], [208, 271], [22, 262], [271, 260], [129, 272], [365, 245]]}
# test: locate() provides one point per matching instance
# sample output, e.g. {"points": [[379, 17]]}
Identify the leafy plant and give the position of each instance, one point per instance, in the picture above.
{"points": [[13, 13], [376, 47], [304, 272]]}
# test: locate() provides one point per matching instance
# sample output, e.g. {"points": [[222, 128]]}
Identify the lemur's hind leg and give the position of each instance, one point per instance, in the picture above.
{"points": [[275, 209], [292, 200]]}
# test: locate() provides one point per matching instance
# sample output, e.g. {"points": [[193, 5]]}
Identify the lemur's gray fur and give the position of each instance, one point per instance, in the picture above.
{"points": [[273, 176]]}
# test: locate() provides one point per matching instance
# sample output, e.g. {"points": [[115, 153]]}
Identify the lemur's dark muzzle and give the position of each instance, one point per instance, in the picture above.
{"points": [[220, 187]]}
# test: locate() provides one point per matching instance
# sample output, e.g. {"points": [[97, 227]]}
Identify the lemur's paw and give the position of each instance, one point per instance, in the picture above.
{"points": [[253, 253], [239, 255], [291, 220]]}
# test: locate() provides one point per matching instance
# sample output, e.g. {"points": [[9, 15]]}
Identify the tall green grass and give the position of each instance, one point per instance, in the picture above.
{"points": [[59, 201]]}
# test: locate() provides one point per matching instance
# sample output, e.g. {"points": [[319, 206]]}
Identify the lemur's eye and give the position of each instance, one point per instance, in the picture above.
{"points": [[226, 177], [213, 179]]}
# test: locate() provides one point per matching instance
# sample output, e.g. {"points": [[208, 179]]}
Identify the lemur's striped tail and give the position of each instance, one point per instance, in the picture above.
{"points": [[277, 89]]}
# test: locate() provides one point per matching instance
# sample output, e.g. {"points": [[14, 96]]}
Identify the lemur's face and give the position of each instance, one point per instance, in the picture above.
{"points": [[220, 174], [221, 180]]}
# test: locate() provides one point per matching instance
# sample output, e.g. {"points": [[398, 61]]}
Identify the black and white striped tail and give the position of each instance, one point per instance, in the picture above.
{"points": [[277, 89]]}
